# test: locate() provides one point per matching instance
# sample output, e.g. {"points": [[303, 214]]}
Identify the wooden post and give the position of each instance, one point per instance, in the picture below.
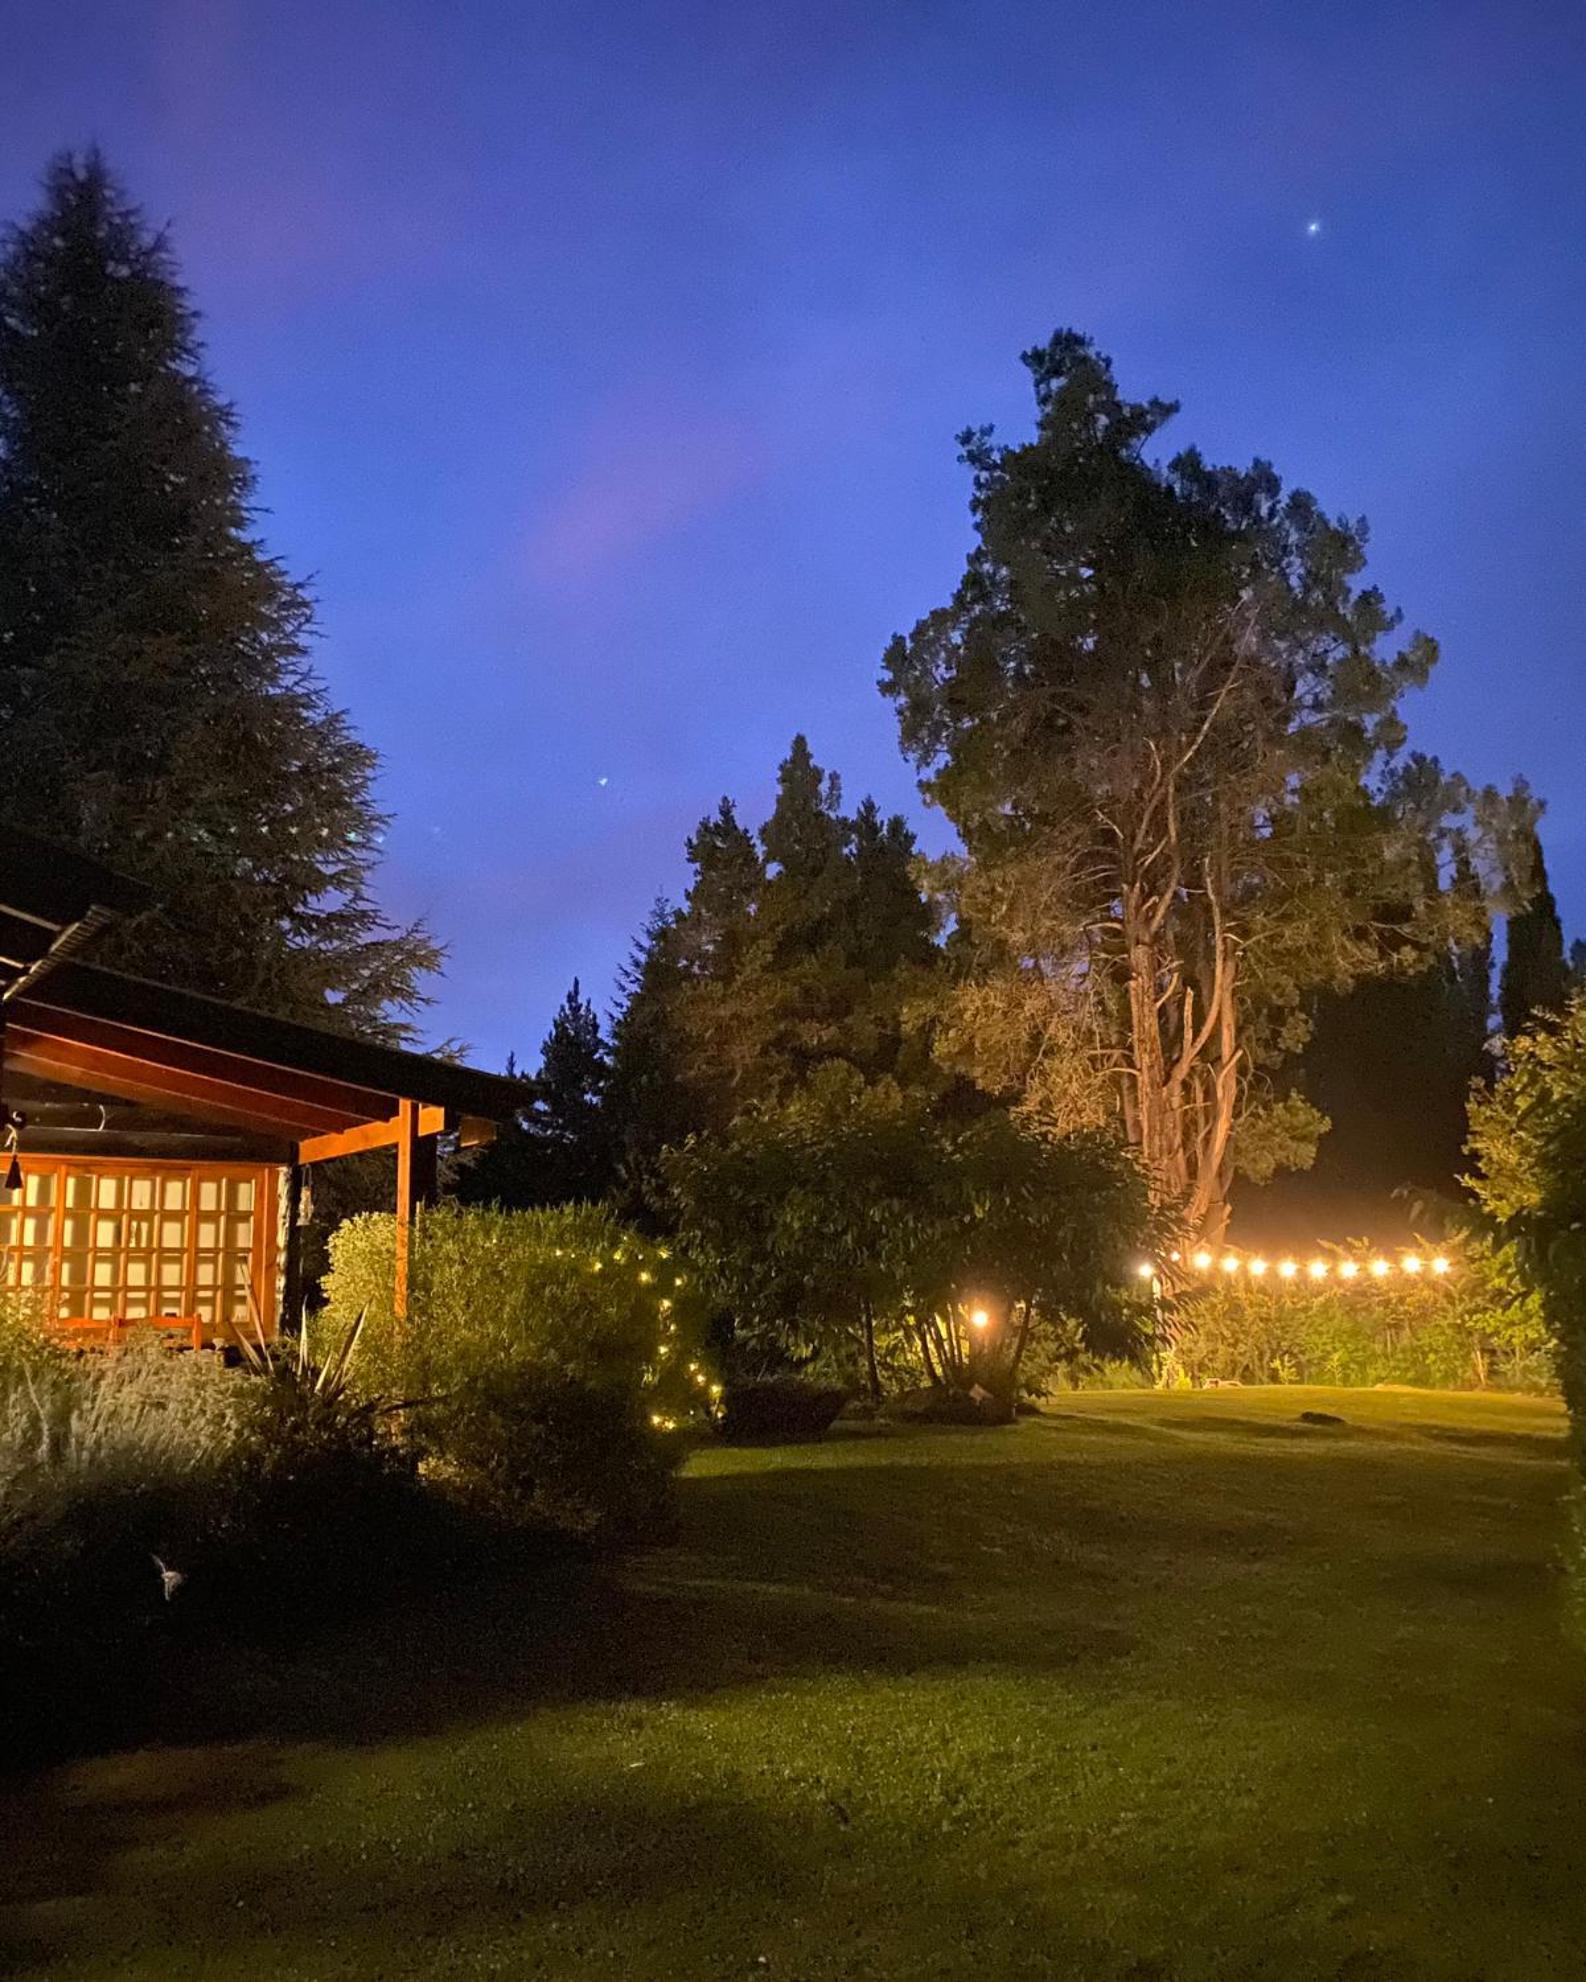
{"points": [[289, 1250], [407, 1183]]}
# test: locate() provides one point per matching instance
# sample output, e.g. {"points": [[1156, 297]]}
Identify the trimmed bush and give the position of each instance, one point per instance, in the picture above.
{"points": [[779, 1409], [545, 1367]]}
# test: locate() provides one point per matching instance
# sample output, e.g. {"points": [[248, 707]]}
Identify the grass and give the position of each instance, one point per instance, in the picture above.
{"points": [[1155, 1687]]}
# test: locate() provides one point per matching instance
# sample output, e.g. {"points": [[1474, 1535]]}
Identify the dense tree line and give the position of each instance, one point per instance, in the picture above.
{"points": [[1208, 907]]}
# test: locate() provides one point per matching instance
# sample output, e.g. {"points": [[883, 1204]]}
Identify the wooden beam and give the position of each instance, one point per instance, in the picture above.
{"points": [[406, 1202], [156, 1086], [373, 1135], [340, 1102]]}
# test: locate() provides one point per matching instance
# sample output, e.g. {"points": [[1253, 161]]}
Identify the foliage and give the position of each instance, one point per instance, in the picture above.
{"points": [[860, 1225], [808, 946], [545, 1362], [1535, 980], [157, 706], [1528, 1135], [1160, 711], [274, 1500], [1480, 1326], [559, 1150]]}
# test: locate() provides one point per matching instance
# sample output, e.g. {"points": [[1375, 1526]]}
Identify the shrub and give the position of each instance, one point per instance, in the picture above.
{"points": [[270, 1505], [858, 1227], [546, 1363], [1528, 1135], [778, 1409], [1479, 1326]]}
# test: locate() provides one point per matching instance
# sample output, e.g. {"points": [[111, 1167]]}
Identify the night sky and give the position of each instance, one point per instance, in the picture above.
{"points": [[602, 364]]}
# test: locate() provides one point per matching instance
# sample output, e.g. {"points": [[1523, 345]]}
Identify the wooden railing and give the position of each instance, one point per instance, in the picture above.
{"points": [[178, 1331]]}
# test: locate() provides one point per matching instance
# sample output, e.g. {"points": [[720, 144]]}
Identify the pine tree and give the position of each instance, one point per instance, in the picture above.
{"points": [[1536, 976], [805, 950], [650, 1103], [559, 1151], [157, 707]]}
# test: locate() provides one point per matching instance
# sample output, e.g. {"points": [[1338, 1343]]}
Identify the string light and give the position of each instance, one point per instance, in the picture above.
{"points": [[979, 1318], [1146, 1270], [1379, 1266]]}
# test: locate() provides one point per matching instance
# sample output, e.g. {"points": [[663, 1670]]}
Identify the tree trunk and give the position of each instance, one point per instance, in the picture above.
{"points": [[868, 1315]]}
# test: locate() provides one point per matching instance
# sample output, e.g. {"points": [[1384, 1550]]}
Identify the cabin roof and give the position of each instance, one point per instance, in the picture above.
{"points": [[75, 1025]]}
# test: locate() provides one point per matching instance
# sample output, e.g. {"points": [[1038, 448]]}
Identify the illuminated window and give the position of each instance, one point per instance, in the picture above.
{"points": [[136, 1242]]}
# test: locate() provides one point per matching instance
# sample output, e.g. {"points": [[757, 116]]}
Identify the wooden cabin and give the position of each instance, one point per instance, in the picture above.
{"points": [[154, 1143]]}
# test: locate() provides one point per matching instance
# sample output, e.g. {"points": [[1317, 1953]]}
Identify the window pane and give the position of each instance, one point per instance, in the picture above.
{"points": [[80, 1189], [38, 1187], [107, 1193], [174, 1195]]}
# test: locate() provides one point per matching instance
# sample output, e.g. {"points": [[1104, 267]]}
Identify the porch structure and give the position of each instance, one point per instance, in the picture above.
{"points": [[162, 1136]]}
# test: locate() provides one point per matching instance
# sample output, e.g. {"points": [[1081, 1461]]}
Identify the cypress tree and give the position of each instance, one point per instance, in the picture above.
{"points": [[157, 707], [1536, 977]]}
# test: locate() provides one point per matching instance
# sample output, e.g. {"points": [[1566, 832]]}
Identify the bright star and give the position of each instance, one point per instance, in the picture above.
{"points": [[603, 782], [1313, 227]]}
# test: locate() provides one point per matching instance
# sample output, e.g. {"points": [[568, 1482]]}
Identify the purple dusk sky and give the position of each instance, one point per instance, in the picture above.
{"points": [[603, 363]]}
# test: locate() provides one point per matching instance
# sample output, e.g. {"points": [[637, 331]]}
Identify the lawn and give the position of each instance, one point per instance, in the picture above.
{"points": [[1156, 1686]]}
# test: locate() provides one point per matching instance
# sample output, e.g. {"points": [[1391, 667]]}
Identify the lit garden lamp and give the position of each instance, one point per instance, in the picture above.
{"points": [[12, 1124]]}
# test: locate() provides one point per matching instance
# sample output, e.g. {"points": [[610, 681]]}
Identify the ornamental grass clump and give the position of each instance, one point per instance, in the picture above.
{"points": [[547, 1367], [152, 1500]]}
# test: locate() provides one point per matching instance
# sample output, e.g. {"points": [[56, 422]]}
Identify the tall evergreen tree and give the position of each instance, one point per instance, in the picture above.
{"points": [[803, 949], [559, 1151], [1536, 976], [157, 707], [1162, 712]]}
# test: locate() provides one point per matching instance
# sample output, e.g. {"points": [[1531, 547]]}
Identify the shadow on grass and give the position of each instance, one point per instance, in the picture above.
{"points": [[1031, 1555]]}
